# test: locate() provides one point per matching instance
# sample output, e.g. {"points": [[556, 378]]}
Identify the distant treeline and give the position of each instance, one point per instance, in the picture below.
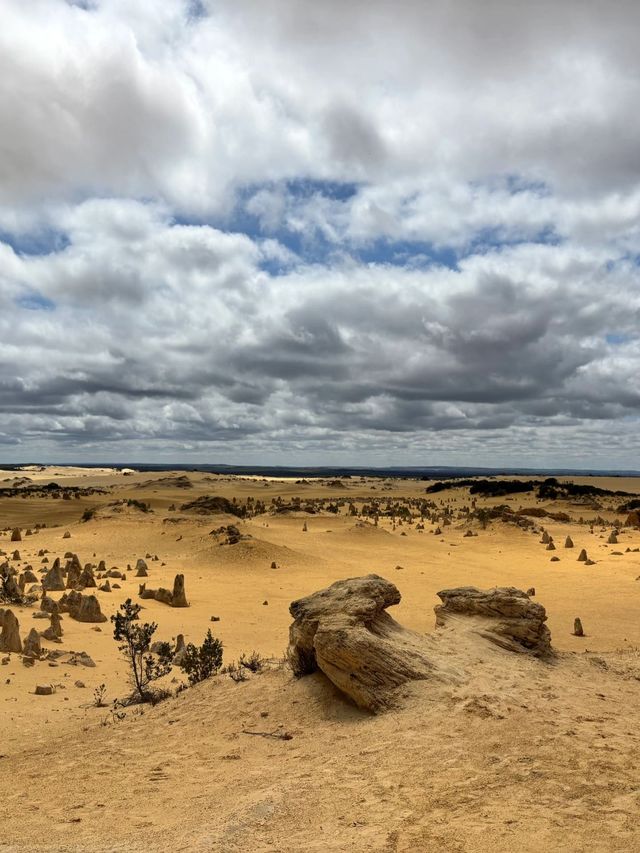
{"points": [[549, 489]]}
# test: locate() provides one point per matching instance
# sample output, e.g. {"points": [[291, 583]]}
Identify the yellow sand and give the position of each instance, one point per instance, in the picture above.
{"points": [[545, 763]]}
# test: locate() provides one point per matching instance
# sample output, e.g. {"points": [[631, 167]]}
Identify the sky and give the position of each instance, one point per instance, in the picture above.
{"points": [[285, 232]]}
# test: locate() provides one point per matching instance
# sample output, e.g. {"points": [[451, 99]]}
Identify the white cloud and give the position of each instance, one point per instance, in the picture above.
{"points": [[158, 168]]}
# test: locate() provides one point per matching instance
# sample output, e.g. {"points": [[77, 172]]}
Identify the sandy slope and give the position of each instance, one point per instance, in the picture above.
{"points": [[531, 756], [526, 756]]}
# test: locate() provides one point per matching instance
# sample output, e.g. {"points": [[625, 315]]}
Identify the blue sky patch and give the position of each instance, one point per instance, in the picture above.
{"points": [[35, 302], [616, 339], [42, 242]]}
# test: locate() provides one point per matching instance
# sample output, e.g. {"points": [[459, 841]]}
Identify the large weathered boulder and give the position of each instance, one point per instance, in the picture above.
{"points": [[53, 580], [504, 615], [345, 632], [10, 636]]}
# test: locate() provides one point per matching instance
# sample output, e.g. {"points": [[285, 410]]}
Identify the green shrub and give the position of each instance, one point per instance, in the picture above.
{"points": [[201, 662], [135, 641]]}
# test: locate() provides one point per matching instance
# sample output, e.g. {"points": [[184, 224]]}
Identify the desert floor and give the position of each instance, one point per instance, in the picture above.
{"points": [[527, 756]]}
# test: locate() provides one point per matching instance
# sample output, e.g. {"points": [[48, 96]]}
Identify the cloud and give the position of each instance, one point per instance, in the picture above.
{"points": [[365, 232], [166, 332]]}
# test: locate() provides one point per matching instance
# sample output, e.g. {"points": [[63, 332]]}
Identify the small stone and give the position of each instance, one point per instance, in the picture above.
{"points": [[44, 690], [577, 628]]}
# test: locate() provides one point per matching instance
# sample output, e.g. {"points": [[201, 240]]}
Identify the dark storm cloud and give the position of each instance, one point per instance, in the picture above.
{"points": [[506, 341]]}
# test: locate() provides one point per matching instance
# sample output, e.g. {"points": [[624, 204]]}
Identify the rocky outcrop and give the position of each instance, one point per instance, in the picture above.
{"points": [[505, 615], [54, 632], [53, 580], [141, 569], [175, 598], [633, 519], [32, 647], [229, 534], [82, 608], [180, 650], [345, 632], [48, 604], [9, 588], [212, 504], [10, 636], [179, 598], [87, 578]]}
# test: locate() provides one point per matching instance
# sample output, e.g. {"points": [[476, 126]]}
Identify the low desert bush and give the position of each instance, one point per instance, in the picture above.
{"points": [[201, 662]]}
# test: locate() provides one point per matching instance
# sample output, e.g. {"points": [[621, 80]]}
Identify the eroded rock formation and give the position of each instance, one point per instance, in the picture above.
{"points": [[505, 615], [82, 608], [54, 632], [141, 569], [10, 636], [53, 580], [175, 598], [345, 631], [32, 647]]}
